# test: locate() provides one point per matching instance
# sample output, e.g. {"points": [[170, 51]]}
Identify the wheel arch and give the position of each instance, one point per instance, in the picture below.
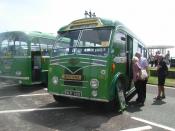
{"points": [[118, 76]]}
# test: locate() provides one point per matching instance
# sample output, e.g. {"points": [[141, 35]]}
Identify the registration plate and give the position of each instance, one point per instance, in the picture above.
{"points": [[72, 77], [73, 93]]}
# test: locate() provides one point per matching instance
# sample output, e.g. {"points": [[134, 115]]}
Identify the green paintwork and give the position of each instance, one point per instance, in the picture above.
{"points": [[92, 67], [45, 66], [88, 73]]}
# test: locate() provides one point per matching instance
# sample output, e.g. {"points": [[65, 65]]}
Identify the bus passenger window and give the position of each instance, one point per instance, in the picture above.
{"points": [[4, 47], [120, 43], [139, 49]]}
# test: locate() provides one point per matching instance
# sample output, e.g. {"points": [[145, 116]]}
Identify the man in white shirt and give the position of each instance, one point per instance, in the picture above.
{"points": [[142, 90]]}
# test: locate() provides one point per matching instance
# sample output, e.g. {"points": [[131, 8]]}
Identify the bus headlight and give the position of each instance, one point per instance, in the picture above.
{"points": [[20, 81], [55, 80], [94, 93], [94, 83], [18, 73]]}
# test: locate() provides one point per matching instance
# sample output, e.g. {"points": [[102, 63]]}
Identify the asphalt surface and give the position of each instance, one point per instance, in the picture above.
{"points": [[33, 109]]}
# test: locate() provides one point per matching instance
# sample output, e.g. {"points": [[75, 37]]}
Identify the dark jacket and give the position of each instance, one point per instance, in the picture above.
{"points": [[163, 70]]}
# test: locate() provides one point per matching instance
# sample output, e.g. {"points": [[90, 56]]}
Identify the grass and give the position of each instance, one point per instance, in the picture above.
{"points": [[170, 69], [168, 82]]}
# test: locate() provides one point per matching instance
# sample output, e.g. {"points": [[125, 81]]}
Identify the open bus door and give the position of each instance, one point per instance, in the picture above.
{"points": [[129, 53], [129, 72], [36, 66]]}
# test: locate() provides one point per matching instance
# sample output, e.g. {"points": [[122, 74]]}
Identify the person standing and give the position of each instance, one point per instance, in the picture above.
{"points": [[136, 76], [162, 70], [142, 89], [156, 58], [151, 59], [167, 58]]}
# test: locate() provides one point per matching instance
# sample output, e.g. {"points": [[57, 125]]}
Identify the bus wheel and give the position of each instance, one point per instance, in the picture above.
{"points": [[120, 95], [59, 98]]}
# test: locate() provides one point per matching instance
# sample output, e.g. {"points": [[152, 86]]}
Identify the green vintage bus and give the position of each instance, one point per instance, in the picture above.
{"points": [[24, 56], [92, 60]]}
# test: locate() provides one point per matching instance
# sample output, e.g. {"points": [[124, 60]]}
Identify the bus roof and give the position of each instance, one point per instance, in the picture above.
{"points": [[96, 22], [33, 34], [41, 34], [87, 23]]}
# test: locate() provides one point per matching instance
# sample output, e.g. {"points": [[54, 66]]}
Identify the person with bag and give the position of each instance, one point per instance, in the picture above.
{"points": [[143, 78], [162, 71], [136, 76]]}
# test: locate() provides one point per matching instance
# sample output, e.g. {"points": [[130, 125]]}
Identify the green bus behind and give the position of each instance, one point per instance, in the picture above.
{"points": [[24, 56]]}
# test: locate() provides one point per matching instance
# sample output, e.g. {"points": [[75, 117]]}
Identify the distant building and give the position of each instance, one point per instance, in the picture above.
{"points": [[163, 49]]}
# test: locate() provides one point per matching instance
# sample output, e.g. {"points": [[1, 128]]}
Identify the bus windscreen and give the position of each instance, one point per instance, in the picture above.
{"points": [[87, 41]]}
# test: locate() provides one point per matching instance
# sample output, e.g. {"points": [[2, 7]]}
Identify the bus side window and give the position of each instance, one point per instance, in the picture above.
{"points": [[119, 43], [139, 49], [4, 47]]}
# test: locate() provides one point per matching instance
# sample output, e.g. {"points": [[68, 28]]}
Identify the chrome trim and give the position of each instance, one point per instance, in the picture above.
{"points": [[85, 98], [37, 82], [93, 63], [54, 60], [98, 64], [63, 62], [79, 58], [45, 56], [54, 57], [54, 63], [14, 77], [85, 62], [44, 70]]}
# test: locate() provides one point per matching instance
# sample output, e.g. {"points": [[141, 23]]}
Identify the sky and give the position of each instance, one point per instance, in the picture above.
{"points": [[153, 21]]}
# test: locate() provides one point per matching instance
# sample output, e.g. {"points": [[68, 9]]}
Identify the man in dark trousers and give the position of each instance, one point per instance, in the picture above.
{"points": [[142, 90], [162, 71]]}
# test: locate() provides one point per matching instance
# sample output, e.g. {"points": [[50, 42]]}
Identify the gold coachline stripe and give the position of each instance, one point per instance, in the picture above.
{"points": [[15, 77]]}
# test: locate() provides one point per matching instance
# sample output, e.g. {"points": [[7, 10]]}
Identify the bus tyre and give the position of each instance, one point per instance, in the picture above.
{"points": [[120, 95], [58, 98]]}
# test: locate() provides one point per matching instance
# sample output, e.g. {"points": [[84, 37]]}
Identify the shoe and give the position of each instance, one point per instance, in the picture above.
{"points": [[157, 98], [163, 97], [140, 104], [137, 100]]}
